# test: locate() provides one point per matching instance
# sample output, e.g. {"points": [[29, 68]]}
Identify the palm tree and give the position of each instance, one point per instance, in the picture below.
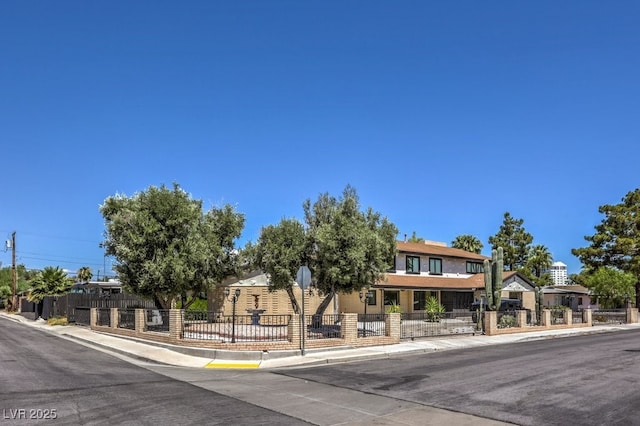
{"points": [[540, 259], [84, 274], [468, 243], [49, 282]]}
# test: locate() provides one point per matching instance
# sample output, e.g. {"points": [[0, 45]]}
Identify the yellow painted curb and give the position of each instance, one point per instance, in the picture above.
{"points": [[231, 364]]}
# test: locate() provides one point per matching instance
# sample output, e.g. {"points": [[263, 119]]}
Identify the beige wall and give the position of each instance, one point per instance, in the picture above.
{"points": [[274, 303]]}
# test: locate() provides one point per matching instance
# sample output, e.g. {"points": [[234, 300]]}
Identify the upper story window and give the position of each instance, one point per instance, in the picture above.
{"points": [[392, 268], [435, 266], [413, 264], [475, 268]]}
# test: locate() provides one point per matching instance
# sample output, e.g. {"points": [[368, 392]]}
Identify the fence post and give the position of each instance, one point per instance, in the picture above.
{"points": [[490, 322], [140, 322], [568, 316], [294, 330], [176, 320], [546, 318], [632, 315], [522, 318], [587, 317], [392, 326], [349, 328], [93, 317], [114, 317]]}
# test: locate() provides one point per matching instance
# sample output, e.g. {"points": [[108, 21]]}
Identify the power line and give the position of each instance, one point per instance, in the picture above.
{"points": [[20, 252]]}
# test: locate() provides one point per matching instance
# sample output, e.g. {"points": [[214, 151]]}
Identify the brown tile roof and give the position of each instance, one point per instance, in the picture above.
{"points": [[422, 248], [431, 282]]}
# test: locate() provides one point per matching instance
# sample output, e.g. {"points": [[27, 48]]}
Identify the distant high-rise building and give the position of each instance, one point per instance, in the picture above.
{"points": [[558, 272]]}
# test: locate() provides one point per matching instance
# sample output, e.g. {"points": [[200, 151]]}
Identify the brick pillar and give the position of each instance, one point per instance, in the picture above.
{"points": [[176, 320], [350, 328], [114, 317], [546, 318], [632, 315], [93, 319], [141, 323], [522, 318], [587, 317], [568, 316], [490, 322], [294, 330], [392, 326]]}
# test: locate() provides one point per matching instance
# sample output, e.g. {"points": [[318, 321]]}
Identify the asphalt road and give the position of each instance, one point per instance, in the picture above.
{"points": [[48, 380], [582, 380], [586, 380]]}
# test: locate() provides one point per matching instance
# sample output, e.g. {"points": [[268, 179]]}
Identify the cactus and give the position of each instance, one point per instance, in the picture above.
{"points": [[539, 303], [493, 279]]}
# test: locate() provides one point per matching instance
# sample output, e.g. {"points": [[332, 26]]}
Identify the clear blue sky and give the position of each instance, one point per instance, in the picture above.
{"points": [[443, 115]]}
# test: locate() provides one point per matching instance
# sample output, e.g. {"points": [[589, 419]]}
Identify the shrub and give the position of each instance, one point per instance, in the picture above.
{"points": [[507, 321], [394, 309], [434, 309]]}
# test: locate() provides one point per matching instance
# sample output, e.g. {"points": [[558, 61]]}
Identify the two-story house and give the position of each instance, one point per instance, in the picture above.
{"points": [[421, 270]]}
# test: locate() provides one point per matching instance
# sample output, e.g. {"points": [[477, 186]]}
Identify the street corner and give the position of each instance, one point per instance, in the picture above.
{"points": [[229, 364]]}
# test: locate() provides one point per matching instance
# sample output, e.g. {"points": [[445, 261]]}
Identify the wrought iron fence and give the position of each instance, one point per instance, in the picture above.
{"points": [[421, 324], [104, 317], [327, 326], [577, 317], [609, 316], [557, 316], [81, 315], [157, 320], [372, 325], [127, 319], [201, 325]]}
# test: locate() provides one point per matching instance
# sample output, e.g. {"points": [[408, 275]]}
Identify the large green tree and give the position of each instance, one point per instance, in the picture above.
{"points": [[611, 287], [166, 247], [346, 249], [514, 240], [280, 252], [468, 243], [51, 281], [616, 242]]}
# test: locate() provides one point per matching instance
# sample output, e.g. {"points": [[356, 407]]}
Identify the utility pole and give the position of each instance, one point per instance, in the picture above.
{"points": [[14, 300]]}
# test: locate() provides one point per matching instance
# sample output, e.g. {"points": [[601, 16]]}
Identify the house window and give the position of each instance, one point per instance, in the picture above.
{"points": [[371, 298], [392, 268], [435, 266], [475, 268], [420, 299], [579, 300], [391, 298], [515, 295], [413, 265]]}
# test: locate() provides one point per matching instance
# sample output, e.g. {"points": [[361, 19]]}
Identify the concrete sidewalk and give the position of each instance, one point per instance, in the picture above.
{"points": [[208, 358]]}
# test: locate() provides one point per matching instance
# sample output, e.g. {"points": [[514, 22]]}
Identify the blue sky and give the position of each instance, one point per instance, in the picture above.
{"points": [[443, 115]]}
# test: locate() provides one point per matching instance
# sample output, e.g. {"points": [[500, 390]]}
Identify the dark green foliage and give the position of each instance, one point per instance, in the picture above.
{"points": [[515, 242], [468, 243], [167, 247], [51, 281], [345, 248], [279, 253], [616, 242]]}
